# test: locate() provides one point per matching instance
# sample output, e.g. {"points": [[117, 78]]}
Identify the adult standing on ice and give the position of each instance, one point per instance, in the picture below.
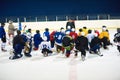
{"points": [[70, 23], [11, 30]]}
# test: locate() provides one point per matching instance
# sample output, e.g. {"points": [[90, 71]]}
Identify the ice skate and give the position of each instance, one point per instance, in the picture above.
{"points": [[45, 54], [83, 58], [3, 50], [76, 54], [27, 54]]}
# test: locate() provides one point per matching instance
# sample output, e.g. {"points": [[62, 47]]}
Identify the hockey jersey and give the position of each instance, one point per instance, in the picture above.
{"points": [[67, 41], [58, 38], [45, 44], [2, 32], [47, 34], [117, 37]]}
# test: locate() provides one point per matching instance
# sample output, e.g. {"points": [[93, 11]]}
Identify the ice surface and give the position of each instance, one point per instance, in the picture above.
{"points": [[58, 67]]}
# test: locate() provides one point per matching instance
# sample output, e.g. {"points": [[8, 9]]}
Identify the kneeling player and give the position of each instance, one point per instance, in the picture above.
{"points": [[45, 47], [18, 45], [67, 43]]}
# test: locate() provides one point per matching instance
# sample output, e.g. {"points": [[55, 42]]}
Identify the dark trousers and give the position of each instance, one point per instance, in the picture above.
{"points": [[3, 39], [95, 48], [104, 41], [52, 43], [81, 49], [17, 49], [118, 47]]}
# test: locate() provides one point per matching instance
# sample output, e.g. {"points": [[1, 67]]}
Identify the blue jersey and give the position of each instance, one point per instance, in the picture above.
{"points": [[58, 38], [37, 39], [47, 34], [2, 32]]}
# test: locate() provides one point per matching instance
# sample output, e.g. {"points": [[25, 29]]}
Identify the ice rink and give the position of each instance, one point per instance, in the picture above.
{"points": [[58, 67]]}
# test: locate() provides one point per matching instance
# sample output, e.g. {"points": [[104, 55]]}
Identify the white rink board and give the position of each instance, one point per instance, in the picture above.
{"points": [[56, 25]]}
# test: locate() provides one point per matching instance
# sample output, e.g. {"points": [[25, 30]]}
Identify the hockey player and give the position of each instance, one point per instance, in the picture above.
{"points": [[85, 30], [3, 37], [52, 38], [68, 29], [95, 45], [45, 47], [28, 47], [80, 30], [80, 45], [47, 34], [117, 39], [18, 45], [105, 38], [96, 31], [58, 40], [90, 36], [37, 40], [68, 43], [73, 34]]}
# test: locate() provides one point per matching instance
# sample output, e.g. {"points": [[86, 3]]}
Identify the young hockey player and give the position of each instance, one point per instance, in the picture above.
{"points": [[52, 38], [28, 46], [105, 38], [45, 47], [96, 31], [90, 36], [117, 39], [95, 45], [80, 30], [3, 37], [73, 34], [58, 40], [68, 29], [47, 34], [67, 43], [18, 45], [85, 30], [37, 40], [80, 45]]}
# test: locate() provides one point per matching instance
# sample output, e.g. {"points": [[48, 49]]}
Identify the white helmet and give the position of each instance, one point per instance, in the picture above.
{"points": [[104, 29], [95, 34], [73, 29]]}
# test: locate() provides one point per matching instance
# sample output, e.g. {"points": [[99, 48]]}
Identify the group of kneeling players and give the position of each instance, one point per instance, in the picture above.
{"points": [[66, 41]]}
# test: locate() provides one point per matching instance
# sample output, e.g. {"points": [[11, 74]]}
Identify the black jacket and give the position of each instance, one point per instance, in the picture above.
{"points": [[81, 43], [18, 39], [71, 24], [95, 41]]}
